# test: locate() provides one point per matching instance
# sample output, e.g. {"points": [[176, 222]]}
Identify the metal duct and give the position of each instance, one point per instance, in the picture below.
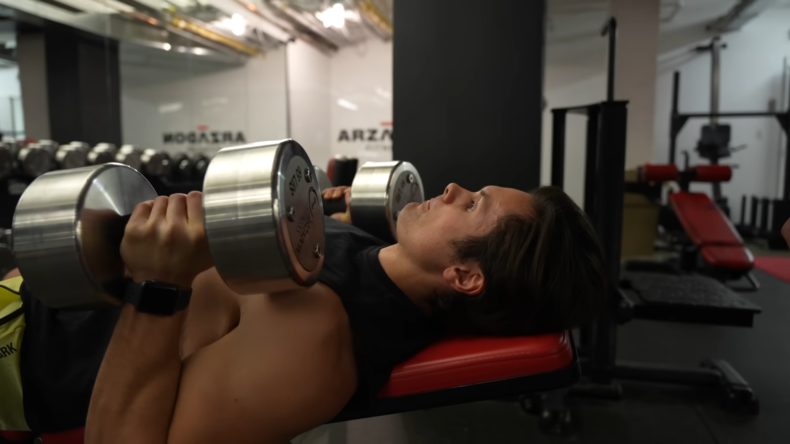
{"points": [[742, 12]]}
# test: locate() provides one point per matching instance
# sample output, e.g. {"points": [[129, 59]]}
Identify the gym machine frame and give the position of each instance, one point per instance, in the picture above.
{"points": [[604, 187], [678, 121]]}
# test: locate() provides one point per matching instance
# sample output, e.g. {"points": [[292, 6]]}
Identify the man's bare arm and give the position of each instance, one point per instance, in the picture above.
{"points": [[135, 390], [288, 367]]}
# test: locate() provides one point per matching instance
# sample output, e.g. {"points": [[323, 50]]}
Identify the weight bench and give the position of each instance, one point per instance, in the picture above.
{"points": [[714, 236], [450, 371]]}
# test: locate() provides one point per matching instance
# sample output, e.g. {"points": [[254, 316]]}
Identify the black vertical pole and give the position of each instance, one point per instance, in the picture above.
{"points": [[764, 208], [786, 128], [586, 332], [611, 28], [592, 154], [743, 210], [753, 221], [558, 147], [608, 220], [673, 118]]}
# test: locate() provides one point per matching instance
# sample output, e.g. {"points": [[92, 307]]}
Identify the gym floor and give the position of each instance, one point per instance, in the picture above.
{"points": [[648, 413]]}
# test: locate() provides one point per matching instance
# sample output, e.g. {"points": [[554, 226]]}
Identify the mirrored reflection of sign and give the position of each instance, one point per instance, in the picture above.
{"points": [[371, 139], [203, 137]]}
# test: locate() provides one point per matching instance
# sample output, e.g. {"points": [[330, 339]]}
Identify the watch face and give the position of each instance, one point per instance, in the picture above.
{"points": [[158, 298]]}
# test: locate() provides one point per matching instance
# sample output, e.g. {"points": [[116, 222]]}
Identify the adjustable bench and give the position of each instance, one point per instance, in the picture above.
{"points": [[450, 371], [718, 242]]}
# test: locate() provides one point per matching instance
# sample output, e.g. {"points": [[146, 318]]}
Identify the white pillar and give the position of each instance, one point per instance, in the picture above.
{"points": [[635, 72]]}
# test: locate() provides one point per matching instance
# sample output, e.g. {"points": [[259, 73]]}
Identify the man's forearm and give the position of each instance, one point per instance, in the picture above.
{"points": [[137, 384]]}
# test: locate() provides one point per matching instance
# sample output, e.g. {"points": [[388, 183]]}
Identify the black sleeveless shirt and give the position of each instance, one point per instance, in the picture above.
{"points": [[62, 350]]}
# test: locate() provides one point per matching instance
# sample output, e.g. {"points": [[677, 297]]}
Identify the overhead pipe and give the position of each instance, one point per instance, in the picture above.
{"points": [[739, 15]]}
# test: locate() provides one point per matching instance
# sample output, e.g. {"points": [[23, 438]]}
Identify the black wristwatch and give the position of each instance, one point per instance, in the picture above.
{"points": [[158, 298]]}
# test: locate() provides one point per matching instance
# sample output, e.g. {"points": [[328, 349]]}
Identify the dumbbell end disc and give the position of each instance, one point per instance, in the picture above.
{"points": [[264, 217], [67, 230], [379, 192]]}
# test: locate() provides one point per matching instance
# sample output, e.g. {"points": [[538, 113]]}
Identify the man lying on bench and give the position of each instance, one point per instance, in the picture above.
{"points": [[266, 368]]}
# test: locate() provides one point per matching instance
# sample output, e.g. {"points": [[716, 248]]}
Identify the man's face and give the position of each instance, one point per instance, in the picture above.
{"points": [[426, 230]]}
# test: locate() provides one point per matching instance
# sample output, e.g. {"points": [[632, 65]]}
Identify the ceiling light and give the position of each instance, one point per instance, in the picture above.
{"points": [[167, 47], [237, 24], [334, 16]]}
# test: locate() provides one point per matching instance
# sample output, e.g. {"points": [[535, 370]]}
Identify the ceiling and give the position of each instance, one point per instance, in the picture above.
{"points": [[575, 49]]}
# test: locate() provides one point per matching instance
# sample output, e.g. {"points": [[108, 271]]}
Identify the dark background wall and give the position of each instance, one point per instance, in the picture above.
{"points": [[84, 87], [80, 74], [468, 81]]}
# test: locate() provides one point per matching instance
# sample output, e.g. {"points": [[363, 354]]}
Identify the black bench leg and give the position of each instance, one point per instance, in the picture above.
{"points": [[740, 395], [554, 414]]}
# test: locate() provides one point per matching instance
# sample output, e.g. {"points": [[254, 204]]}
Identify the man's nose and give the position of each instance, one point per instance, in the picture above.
{"points": [[452, 192]]}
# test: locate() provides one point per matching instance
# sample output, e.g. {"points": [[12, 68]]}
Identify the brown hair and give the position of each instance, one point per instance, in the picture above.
{"points": [[542, 274]]}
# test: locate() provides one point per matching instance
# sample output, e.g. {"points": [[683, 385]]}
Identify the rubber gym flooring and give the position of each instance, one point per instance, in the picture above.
{"points": [[648, 413]]}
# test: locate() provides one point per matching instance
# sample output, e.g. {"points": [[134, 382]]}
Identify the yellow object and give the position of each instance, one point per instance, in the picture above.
{"points": [[180, 23], [375, 15], [640, 223], [12, 326]]}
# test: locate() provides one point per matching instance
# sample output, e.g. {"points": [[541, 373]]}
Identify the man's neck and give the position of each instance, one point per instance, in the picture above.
{"points": [[408, 276]]}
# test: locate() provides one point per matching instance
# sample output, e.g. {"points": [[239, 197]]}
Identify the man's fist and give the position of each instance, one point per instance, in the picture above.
{"points": [[165, 240], [335, 193]]}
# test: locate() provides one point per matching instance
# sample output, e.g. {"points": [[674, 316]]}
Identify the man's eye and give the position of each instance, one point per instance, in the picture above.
{"points": [[472, 204]]}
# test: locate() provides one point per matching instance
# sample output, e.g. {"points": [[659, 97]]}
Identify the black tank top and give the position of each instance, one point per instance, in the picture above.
{"points": [[388, 328], [62, 350]]}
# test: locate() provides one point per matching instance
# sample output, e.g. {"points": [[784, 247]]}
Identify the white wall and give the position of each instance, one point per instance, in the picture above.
{"points": [[348, 93], [309, 100], [637, 51], [361, 79], [574, 75], [10, 89], [751, 71], [589, 90], [250, 99]]}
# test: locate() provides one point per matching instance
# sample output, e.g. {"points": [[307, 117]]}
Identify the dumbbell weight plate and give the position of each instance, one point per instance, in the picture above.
{"points": [[129, 157], [182, 167], [6, 160], [34, 160], [155, 164], [264, 217], [82, 146], [199, 166], [323, 179], [69, 157], [66, 230], [379, 192]]}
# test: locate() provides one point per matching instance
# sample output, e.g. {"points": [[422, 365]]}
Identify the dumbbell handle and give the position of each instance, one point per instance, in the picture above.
{"points": [[334, 206]]}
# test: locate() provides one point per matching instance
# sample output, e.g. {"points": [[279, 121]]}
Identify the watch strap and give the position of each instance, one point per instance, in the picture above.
{"points": [[156, 297]]}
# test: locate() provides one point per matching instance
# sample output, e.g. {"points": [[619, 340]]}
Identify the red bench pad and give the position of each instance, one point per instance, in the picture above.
{"points": [[453, 362], [703, 221], [733, 258]]}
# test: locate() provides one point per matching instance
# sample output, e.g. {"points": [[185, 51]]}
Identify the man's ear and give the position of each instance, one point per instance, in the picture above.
{"points": [[465, 278]]}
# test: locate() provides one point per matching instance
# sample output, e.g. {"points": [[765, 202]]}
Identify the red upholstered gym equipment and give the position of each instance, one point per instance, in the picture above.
{"points": [[330, 169], [467, 369], [707, 227], [452, 371], [458, 362], [658, 173], [711, 173], [704, 223]]}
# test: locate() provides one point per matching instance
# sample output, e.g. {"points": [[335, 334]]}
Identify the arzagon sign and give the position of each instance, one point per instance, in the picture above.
{"points": [[204, 137]]}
